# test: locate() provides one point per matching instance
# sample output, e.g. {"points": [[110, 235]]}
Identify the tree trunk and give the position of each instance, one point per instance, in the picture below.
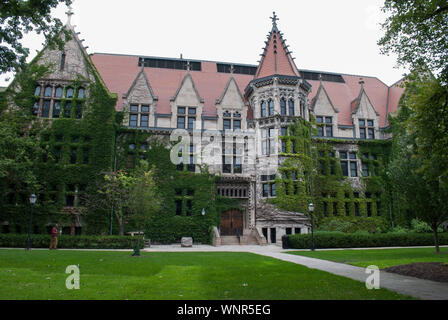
{"points": [[436, 239], [120, 222]]}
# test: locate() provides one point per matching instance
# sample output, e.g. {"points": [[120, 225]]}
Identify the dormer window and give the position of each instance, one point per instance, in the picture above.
{"points": [[324, 126], [230, 121], [139, 116], [366, 129], [182, 117]]}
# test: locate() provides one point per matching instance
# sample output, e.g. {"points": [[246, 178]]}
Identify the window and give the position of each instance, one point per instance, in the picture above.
{"points": [[81, 93], [324, 126], [271, 107], [48, 92], [270, 187], [37, 91], [349, 161], [180, 122], [184, 121], [284, 131], [263, 109], [133, 120], [144, 121], [46, 109], [283, 106], [366, 129], [59, 92], [79, 110], [365, 169], [191, 122], [227, 124], [291, 107], [232, 160], [56, 109], [268, 141], [70, 93]]}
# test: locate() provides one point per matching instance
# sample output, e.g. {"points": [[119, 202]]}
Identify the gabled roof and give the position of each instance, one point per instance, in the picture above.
{"points": [[319, 91], [231, 80], [184, 80], [148, 85], [276, 57], [357, 102]]}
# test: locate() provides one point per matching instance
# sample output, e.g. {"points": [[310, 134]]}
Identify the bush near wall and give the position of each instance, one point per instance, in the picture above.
{"points": [[69, 242], [326, 240]]}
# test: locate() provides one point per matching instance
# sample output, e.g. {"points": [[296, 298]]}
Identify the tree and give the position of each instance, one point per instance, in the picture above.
{"points": [[18, 17], [419, 166], [417, 31], [143, 198], [132, 196]]}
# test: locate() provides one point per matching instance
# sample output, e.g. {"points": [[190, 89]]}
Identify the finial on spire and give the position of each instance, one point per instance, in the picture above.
{"points": [[69, 14], [361, 82], [232, 69], [188, 66], [274, 19]]}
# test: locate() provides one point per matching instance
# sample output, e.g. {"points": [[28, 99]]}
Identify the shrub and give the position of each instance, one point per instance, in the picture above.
{"points": [[353, 225], [69, 242], [325, 240]]}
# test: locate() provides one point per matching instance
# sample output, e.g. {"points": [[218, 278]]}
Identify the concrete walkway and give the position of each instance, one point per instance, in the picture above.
{"points": [[410, 286]]}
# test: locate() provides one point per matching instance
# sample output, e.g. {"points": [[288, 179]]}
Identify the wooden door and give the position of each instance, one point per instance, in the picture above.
{"points": [[231, 223]]}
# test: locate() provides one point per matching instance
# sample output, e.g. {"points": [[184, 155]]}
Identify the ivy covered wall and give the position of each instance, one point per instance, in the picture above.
{"points": [[314, 164]]}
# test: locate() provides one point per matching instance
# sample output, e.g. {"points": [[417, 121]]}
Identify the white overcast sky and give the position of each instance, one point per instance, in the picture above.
{"points": [[325, 35]]}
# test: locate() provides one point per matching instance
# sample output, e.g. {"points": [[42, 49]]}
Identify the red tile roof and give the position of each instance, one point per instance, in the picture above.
{"points": [[276, 58], [119, 72]]}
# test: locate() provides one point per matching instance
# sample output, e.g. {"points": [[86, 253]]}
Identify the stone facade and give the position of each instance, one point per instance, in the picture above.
{"points": [[255, 116]]}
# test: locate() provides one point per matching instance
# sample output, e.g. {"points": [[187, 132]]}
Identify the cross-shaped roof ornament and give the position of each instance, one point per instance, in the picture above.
{"points": [[274, 19], [69, 14]]}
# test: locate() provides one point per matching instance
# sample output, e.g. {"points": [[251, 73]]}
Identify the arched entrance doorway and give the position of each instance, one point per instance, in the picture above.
{"points": [[231, 223]]}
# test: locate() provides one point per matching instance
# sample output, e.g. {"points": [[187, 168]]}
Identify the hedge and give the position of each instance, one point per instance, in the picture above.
{"points": [[70, 242], [326, 240]]}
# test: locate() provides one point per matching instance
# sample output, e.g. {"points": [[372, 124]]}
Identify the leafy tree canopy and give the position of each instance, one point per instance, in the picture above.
{"points": [[18, 17], [417, 31]]}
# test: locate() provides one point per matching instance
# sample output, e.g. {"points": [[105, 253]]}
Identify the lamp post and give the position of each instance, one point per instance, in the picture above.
{"points": [[311, 210], [33, 199]]}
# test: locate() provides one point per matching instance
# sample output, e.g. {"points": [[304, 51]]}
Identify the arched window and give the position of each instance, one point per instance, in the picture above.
{"points": [[291, 107], [58, 93], [271, 107], [37, 91], [70, 93], [48, 91], [283, 106], [81, 93], [263, 108]]}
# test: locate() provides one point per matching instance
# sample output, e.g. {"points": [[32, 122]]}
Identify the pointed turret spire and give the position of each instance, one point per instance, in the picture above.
{"points": [[276, 57]]}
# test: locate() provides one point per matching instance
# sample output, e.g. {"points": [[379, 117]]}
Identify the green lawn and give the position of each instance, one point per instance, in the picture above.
{"points": [[40, 274], [383, 258]]}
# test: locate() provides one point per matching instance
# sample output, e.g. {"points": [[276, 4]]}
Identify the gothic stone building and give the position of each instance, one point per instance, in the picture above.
{"points": [[159, 95]]}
